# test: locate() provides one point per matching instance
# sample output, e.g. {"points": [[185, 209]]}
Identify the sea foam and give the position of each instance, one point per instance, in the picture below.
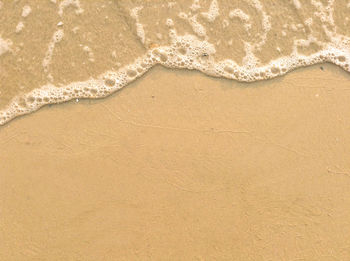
{"points": [[193, 51]]}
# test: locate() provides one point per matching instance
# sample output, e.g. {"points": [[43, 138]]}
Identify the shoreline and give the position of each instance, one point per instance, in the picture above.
{"points": [[101, 80], [183, 166]]}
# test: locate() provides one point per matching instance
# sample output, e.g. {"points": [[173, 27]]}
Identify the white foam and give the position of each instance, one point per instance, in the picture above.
{"points": [[308, 22], [169, 22], [225, 23], [213, 11], [66, 3], [5, 45], [90, 53], [56, 38], [265, 22], [19, 27], [242, 16], [171, 4], [195, 5], [239, 13], [197, 28], [324, 12], [26, 10], [139, 27], [297, 4]]}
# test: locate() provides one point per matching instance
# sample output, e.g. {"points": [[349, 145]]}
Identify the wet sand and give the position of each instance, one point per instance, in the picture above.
{"points": [[90, 49], [181, 166]]}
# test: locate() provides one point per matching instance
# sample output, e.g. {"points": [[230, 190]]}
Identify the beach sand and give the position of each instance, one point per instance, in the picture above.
{"points": [[182, 166]]}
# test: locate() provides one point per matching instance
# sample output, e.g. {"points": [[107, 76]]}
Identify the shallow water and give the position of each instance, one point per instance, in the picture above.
{"points": [[54, 51]]}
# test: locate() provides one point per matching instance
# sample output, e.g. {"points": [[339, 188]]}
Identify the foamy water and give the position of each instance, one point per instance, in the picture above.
{"points": [[243, 40]]}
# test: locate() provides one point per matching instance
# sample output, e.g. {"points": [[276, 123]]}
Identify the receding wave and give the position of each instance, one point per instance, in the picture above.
{"points": [[244, 40]]}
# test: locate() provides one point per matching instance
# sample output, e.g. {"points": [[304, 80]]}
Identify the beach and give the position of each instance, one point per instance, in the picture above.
{"points": [[175, 130], [182, 166]]}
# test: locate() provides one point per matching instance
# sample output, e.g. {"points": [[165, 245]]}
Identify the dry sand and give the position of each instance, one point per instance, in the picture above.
{"points": [[181, 166]]}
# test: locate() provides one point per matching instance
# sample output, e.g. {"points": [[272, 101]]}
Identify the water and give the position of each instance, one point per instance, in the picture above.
{"points": [[92, 49]]}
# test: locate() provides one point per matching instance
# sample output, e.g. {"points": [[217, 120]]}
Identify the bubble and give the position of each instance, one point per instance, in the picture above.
{"points": [[163, 57], [131, 73], [31, 99], [22, 102], [341, 58], [109, 82], [229, 69], [182, 50], [275, 70]]}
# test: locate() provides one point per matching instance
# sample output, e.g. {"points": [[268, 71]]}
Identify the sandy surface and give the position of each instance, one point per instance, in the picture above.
{"points": [[180, 166]]}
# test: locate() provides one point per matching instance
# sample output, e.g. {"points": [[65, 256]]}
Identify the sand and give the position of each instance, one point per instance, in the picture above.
{"points": [[177, 165], [181, 166]]}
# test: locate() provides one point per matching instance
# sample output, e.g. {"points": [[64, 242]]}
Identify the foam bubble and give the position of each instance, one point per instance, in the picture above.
{"points": [[213, 11], [65, 3], [297, 4], [19, 27], [197, 28], [139, 27], [5, 45], [242, 16], [195, 5], [26, 10], [90, 53], [56, 38]]}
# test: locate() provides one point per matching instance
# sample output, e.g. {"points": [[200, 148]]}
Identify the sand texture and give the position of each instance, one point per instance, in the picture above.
{"points": [[181, 166]]}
